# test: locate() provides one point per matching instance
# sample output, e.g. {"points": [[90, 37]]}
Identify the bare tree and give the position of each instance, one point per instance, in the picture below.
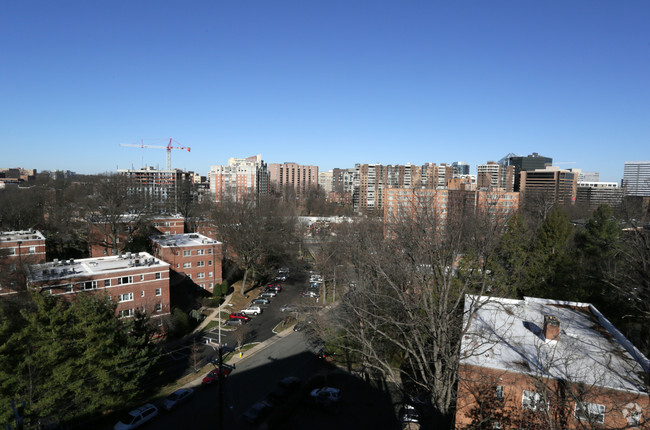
{"points": [[404, 318]]}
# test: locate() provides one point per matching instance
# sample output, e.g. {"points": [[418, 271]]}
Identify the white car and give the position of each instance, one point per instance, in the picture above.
{"points": [[136, 417], [252, 310], [326, 394], [177, 397]]}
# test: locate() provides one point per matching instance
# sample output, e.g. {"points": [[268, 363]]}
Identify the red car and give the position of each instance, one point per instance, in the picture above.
{"points": [[213, 376], [274, 287], [239, 316]]}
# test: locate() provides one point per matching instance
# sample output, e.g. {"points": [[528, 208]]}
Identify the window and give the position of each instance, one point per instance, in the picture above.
{"points": [[89, 285], [178, 265], [125, 297], [590, 411], [499, 392], [200, 251], [532, 400], [209, 262], [11, 251], [125, 280], [158, 307], [142, 293], [201, 275], [187, 265], [126, 313], [158, 291], [32, 250], [158, 275], [107, 283], [210, 251], [187, 253], [142, 277], [210, 274], [200, 263], [67, 288]]}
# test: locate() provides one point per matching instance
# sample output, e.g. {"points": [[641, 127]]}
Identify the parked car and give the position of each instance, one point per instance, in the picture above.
{"points": [[283, 271], [273, 287], [177, 397], [280, 278], [326, 394], [252, 310], [213, 376], [136, 417], [284, 389], [257, 412], [260, 301], [236, 322], [315, 278], [315, 285], [268, 293], [309, 294], [289, 308], [239, 315]]}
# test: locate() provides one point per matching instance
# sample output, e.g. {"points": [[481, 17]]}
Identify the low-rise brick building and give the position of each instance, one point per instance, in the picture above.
{"points": [[18, 248], [196, 256], [136, 281], [539, 363]]}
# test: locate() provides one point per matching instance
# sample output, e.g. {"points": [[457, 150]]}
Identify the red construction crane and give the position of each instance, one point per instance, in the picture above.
{"points": [[169, 148]]}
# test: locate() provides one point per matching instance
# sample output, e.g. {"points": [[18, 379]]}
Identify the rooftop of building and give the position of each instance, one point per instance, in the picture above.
{"points": [[22, 235], [186, 239], [87, 267], [508, 335]]}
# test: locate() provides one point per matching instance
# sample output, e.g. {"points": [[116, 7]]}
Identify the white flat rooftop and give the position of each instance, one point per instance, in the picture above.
{"points": [[93, 266], [508, 335], [186, 239], [24, 235]]}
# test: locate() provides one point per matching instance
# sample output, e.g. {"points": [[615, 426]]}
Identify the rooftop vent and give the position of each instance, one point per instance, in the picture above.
{"points": [[551, 327], [128, 255]]}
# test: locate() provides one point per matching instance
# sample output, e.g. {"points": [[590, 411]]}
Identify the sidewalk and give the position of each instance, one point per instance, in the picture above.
{"points": [[212, 316]]}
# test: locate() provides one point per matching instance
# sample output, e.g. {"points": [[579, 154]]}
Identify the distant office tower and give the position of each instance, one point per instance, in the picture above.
{"points": [[636, 178], [298, 178], [586, 176], [521, 164], [460, 168], [242, 178], [593, 194], [494, 175], [557, 185]]}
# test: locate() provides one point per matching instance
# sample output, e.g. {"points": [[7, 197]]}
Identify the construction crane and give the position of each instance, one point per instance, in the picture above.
{"points": [[169, 148]]}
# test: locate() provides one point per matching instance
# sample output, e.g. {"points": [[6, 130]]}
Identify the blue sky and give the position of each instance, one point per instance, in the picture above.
{"points": [[327, 83]]}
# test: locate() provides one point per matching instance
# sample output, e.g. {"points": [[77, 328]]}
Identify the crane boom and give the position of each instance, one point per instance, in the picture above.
{"points": [[169, 148]]}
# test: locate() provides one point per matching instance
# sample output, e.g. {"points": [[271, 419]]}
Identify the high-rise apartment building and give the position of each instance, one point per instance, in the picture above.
{"points": [[460, 168], [495, 175], [325, 181], [159, 187], [636, 178], [242, 178], [296, 177]]}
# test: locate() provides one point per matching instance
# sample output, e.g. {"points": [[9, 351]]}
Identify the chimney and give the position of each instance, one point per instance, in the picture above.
{"points": [[551, 327]]}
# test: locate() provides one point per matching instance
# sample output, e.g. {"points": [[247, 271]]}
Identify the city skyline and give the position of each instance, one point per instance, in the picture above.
{"points": [[328, 84]]}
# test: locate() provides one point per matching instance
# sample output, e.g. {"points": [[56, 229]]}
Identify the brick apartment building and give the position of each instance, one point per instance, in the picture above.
{"points": [[539, 363], [196, 256], [100, 239], [18, 248], [297, 177], [136, 282], [442, 203]]}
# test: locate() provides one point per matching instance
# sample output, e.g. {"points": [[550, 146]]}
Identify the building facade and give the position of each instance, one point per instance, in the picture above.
{"points": [[196, 256], [137, 282], [540, 363], [297, 177], [522, 164], [559, 186], [242, 178], [161, 188], [495, 175], [594, 194], [636, 178], [18, 248]]}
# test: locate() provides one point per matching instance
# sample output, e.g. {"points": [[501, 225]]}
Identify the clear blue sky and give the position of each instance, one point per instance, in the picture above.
{"points": [[328, 83]]}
